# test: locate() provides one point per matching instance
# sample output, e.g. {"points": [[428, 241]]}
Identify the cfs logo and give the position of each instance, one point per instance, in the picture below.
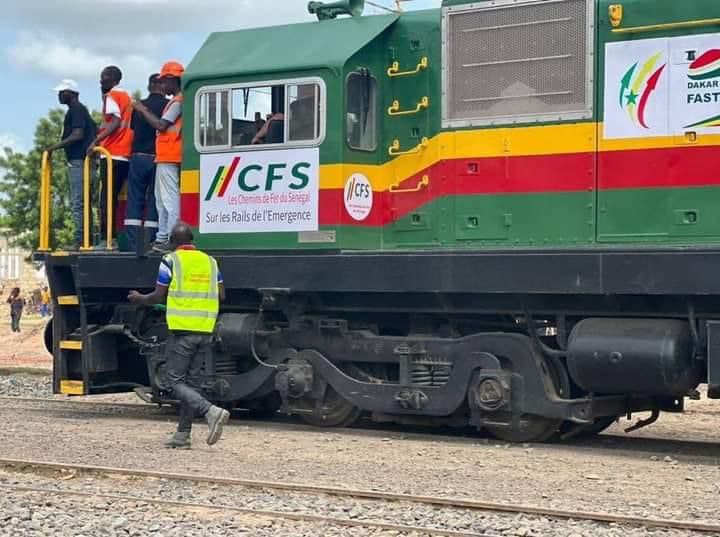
{"points": [[358, 197], [637, 86], [253, 177]]}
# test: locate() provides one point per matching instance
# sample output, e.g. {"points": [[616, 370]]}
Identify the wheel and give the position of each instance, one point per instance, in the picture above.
{"points": [[334, 412], [532, 429], [598, 426], [536, 428]]}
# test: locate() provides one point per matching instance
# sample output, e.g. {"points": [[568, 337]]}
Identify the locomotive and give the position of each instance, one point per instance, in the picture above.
{"points": [[500, 214]]}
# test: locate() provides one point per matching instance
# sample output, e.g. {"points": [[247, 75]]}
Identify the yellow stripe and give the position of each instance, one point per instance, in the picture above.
{"points": [[72, 387], [68, 300], [71, 345], [484, 143]]}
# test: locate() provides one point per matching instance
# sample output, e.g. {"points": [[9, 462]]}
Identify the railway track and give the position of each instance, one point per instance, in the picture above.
{"points": [[640, 446], [37, 466]]}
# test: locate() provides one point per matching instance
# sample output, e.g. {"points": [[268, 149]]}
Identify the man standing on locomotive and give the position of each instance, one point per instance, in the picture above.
{"points": [[168, 153], [191, 285]]}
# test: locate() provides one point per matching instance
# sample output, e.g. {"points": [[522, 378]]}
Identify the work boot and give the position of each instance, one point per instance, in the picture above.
{"points": [[216, 417], [180, 440]]}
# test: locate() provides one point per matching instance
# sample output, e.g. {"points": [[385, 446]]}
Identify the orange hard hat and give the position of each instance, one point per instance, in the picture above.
{"points": [[172, 69]]}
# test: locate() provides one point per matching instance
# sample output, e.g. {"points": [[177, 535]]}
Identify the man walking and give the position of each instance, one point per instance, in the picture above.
{"points": [[79, 131], [141, 212], [116, 136], [191, 285], [169, 153]]}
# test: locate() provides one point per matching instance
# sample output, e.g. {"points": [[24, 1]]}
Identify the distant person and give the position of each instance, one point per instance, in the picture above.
{"points": [[141, 209], [116, 136], [45, 302], [17, 304], [169, 153], [79, 131], [190, 284]]}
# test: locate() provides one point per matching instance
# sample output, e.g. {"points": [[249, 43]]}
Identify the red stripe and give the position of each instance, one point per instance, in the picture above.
{"points": [[644, 168], [228, 177], [657, 168]]}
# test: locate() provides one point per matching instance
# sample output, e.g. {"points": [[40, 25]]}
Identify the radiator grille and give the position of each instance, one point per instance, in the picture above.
{"points": [[508, 62]]}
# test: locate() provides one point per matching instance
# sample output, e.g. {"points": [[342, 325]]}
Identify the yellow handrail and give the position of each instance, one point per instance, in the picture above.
{"points": [[394, 149], [666, 26], [394, 108], [394, 70], [86, 199], [45, 179], [424, 183]]}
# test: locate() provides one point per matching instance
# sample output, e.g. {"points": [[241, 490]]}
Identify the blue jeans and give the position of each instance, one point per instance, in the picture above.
{"points": [[185, 354], [76, 197], [141, 212], [167, 196]]}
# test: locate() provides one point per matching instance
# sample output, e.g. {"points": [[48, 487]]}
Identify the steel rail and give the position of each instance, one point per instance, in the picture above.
{"points": [[70, 402], [297, 517], [377, 495]]}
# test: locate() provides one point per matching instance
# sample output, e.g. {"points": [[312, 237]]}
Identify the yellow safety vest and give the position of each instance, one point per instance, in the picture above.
{"points": [[193, 298]]}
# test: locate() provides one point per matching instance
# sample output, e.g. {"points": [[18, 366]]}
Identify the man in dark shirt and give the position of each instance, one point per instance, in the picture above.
{"points": [[141, 212], [79, 131]]}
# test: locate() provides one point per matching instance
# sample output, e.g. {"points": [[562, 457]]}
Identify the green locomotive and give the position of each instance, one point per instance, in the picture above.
{"points": [[499, 213]]}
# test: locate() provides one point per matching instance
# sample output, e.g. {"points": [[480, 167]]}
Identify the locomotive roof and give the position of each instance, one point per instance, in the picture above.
{"points": [[292, 47]]}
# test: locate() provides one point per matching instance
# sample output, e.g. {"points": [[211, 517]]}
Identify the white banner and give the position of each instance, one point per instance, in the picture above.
{"points": [[662, 87], [259, 191]]}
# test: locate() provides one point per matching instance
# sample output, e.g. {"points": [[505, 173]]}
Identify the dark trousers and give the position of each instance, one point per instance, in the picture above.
{"points": [[120, 174], [185, 359], [15, 317], [141, 212]]}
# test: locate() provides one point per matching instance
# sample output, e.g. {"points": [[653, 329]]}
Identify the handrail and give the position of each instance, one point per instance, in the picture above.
{"points": [[394, 149], [45, 181], [394, 70], [86, 198], [394, 108], [424, 183], [666, 26]]}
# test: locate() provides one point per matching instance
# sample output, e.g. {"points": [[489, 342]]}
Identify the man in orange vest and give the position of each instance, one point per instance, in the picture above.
{"points": [[168, 151], [116, 136]]}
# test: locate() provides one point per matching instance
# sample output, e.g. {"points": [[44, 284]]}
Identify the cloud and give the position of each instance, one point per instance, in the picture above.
{"points": [[132, 17], [54, 56], [9, 140]]}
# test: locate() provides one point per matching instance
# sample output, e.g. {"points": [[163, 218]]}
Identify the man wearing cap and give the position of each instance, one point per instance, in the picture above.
{"points": [[141, 210], [79, 131], [169, 154]]}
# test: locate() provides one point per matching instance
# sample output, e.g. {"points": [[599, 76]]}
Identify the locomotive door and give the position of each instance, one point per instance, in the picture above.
{"points": [[412, 214]]}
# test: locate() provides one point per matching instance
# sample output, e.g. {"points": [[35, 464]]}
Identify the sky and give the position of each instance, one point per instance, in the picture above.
{"points": [[45, 41]]}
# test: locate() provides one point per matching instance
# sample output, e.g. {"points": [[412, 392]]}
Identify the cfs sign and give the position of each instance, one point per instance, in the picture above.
{"points": [[259, 191], [358, 197]]}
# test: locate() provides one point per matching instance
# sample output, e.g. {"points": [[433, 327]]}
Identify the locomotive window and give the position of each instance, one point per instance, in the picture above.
{"points": [[270, 114], [214, 126], [361, 113]]}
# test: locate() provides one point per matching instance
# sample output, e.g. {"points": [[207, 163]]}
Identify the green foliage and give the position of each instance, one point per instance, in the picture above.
{"points": [[21, 185]]}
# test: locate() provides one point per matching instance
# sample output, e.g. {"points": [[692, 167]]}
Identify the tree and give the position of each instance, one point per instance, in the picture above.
{"points": [[21, 185]]}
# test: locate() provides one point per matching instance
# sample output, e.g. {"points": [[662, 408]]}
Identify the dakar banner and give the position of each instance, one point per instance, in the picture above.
{"points": [[662, 87], [259, 191]]}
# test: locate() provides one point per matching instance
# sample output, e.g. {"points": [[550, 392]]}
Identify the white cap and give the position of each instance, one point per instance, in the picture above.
{"points": [[67, 85]]}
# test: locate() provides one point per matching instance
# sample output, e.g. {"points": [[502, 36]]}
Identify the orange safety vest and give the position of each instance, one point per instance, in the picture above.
{"points": [[119, 143], [168, 146]]}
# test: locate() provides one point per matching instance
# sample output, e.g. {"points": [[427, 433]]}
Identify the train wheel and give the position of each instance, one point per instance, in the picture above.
{"points": [[598, 426], [334, 412], [533, 428]]}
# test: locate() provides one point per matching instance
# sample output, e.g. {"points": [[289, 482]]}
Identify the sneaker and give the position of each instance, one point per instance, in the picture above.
{"points": [[162, 248], [180, 440], [216, 417]]}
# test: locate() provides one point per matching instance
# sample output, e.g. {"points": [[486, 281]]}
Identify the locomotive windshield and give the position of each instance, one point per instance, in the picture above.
{"points": [[287, 113]]}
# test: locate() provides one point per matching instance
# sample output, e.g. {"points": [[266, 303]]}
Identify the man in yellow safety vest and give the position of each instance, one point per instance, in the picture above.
{"points": [[191, 286]]}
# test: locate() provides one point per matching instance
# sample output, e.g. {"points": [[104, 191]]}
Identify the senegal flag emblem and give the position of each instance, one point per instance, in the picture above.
{"points": [[706, 66]]}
